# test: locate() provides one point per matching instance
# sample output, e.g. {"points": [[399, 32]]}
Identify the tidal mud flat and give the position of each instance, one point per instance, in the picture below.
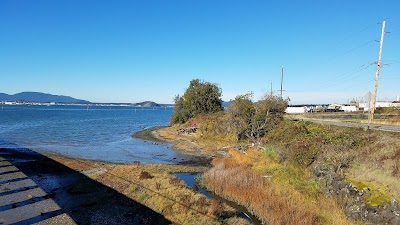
{"points": [[196, 155]]}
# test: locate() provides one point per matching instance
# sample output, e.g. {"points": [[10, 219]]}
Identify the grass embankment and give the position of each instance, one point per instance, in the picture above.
{"points": [[207, 140], [153, 186], [278, 182], [284, 195]]}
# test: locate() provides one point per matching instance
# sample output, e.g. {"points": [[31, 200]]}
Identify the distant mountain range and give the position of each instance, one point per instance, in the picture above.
{"points": [[46, 98], [226, 104], [40, 97]]}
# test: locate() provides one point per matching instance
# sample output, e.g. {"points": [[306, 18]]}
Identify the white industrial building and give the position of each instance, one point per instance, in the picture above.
{"points": [[348, 108], [365, 106], [296, 110]]}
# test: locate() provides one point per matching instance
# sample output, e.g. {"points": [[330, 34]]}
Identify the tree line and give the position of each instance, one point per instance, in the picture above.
{"points": [[245, 119]]}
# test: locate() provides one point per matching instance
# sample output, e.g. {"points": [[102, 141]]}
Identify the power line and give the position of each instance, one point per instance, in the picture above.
{"points": [[353, 34], [348, 51], [343, 77], [155, 192]]}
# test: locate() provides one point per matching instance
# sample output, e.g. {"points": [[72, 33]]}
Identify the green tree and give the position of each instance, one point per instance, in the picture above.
{"points": [[199, 98], [240, 113], [254, 120]]}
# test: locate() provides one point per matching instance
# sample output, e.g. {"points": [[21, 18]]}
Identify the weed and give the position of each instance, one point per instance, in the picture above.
{"points": [[142, 197], [214, 208], [185, 200], [396, 169], [168, 210], [201, 203], [158, 186], [175, 181], [145, 175]]}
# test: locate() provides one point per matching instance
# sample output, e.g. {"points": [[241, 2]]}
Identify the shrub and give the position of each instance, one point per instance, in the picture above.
{"points": [[255, 120]]}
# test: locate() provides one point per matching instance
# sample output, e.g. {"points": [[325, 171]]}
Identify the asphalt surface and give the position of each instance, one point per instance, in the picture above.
{"points": [[391, 128]]}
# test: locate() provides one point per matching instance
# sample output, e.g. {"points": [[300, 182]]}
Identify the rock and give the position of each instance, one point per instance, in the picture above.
{"points": [[320, 170], [352, 199], [387, 216], [394, 204], [395, 220]]}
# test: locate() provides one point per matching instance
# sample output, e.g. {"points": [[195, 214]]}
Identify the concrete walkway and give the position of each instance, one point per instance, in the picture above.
{"points": [[36, 189], [22, 201]]}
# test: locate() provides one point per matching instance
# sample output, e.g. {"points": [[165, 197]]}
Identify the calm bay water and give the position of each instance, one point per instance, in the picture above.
{"points": [[99, 133]]}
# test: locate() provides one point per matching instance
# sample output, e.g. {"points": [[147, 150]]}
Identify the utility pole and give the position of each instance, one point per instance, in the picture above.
{"points": [[271, 87], [369, 106], [378, 69], [282, 82]]}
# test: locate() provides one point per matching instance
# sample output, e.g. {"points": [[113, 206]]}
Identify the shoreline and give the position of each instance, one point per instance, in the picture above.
{"points": [[199, 156], [149, 134], [84, 188]]}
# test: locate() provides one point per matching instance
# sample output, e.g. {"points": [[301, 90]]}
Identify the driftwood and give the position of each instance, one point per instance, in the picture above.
{"points": [[188, 130]]}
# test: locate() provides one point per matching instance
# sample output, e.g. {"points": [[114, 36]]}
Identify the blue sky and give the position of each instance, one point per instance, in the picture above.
{"points": [[131, 51]]}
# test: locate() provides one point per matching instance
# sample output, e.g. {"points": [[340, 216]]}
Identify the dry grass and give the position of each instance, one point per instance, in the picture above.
{"points": [[153, 186], [379, 161], [277, 185], [391, 121], [390, 118], [193, 142], [268, 199], [214, 208]]}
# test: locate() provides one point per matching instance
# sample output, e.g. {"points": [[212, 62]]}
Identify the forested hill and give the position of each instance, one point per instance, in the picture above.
{"points": [[40, 97]]}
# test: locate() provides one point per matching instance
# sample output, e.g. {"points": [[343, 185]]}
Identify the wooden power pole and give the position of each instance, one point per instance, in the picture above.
{"points": [[282, 82], [378, 69], [271, 87]]}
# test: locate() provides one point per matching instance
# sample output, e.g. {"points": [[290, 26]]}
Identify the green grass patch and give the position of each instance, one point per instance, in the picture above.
{"points": [[270, 152]]}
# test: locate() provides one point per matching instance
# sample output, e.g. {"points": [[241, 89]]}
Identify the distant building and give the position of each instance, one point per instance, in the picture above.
{"points": [[334, 108], [349, 108], [364, 105], [296, 110]]}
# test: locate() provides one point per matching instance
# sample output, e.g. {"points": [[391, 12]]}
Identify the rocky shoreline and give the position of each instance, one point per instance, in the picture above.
{"points": [[352, 201]]}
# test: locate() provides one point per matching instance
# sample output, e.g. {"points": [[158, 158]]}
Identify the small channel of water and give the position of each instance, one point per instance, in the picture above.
{"points": [[189, 179]]}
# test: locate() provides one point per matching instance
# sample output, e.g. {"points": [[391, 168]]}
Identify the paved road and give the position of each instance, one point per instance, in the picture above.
{"points": [[362, 125]]}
